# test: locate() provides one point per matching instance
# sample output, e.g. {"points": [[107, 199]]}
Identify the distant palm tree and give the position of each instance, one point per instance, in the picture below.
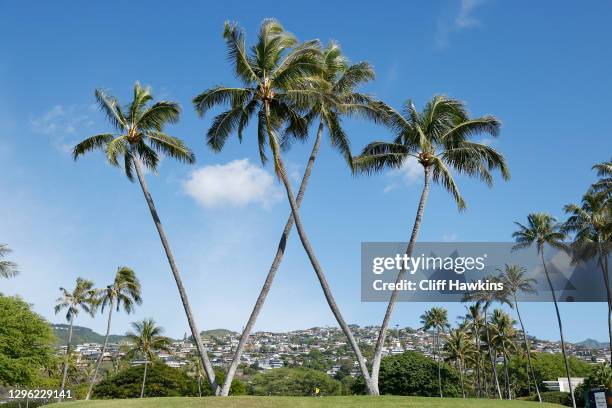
{"points": [[604, 184], [502, 337], [281, 79], [460, 349], [542, 230], [436, 318], [475, 323], [8, 269], [515, 281], [438, 138], [82, 297], [486, 298], [146, 339], [195, 366], [591, 224], [338, 81], [138, 142], [123, 293]]}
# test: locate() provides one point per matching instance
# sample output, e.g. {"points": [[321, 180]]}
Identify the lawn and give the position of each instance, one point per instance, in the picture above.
{"points": [[305, 402]]}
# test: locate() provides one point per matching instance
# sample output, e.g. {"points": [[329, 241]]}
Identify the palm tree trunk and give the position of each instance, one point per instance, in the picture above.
{"points": [[65, 373], [506, 378], [99, 362], [437, 341], [280, 251], [565, 361], [282, 174], [144, 378], [210, 372], [199, 386], [493, 359], [603, 262], [478, 384], [380, 342], [461, 377], [527, 348]]}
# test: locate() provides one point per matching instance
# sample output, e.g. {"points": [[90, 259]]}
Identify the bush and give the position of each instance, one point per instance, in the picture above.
{"points": [[411, 373], [25, 343], [294, 382], [162, 381]]}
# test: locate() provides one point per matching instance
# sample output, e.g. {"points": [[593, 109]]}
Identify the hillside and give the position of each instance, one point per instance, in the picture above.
{"points": [[217, 333], [592, 344], [81, 335]]}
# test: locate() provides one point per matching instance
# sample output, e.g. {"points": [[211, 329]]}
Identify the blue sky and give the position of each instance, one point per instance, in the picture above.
{"points": [[543, 69]]}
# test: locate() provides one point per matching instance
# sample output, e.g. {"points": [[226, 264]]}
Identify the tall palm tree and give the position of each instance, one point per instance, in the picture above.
{"points": [[475, 324], [138, 141], [146, 339], [8, 269], [123, 293], [281, 80], [486, 298], [515, 281], [436, 319], [541, 230], [502, 337], [82, 298], [338, 81], [604, 184], [460, 349], [439, 139], [591, 224]]}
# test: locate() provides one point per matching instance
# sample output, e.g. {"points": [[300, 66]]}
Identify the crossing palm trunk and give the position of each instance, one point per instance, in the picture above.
{"points": [[282, 174], [280, 251], [65, 373], [144, 378], [491, 357], [95, 373], [527, 348], [210, 372], [565, 361], [380, 342]]}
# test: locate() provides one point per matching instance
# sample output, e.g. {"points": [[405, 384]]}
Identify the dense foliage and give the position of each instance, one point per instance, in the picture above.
{"points": [[25, 343], [162, 381], [411, 373], [294, 382]]}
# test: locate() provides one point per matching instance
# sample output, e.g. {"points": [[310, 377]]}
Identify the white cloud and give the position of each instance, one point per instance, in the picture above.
{"points": [[236, 184], [63, 124], [463, 19], [410, 173]]}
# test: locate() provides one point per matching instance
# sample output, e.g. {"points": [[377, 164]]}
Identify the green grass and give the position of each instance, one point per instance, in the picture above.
{"points": [[305, 402]]}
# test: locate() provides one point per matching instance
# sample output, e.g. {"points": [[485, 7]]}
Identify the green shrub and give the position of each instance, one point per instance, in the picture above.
{"points": [[412, 373], [294, 382]]}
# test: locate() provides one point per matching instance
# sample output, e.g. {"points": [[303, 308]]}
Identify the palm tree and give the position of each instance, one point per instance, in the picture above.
{"points": [[195, 366], [8, 269], [436, 319], [281, 79], [542, 230], [124, 293], [475, 323], [338, 81], [460, 349], [439, 139], [486, 298], [604, 184], [146, 339], [82, 297], [502, 337], [138, 142], [591, 223], [515, 281]]}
